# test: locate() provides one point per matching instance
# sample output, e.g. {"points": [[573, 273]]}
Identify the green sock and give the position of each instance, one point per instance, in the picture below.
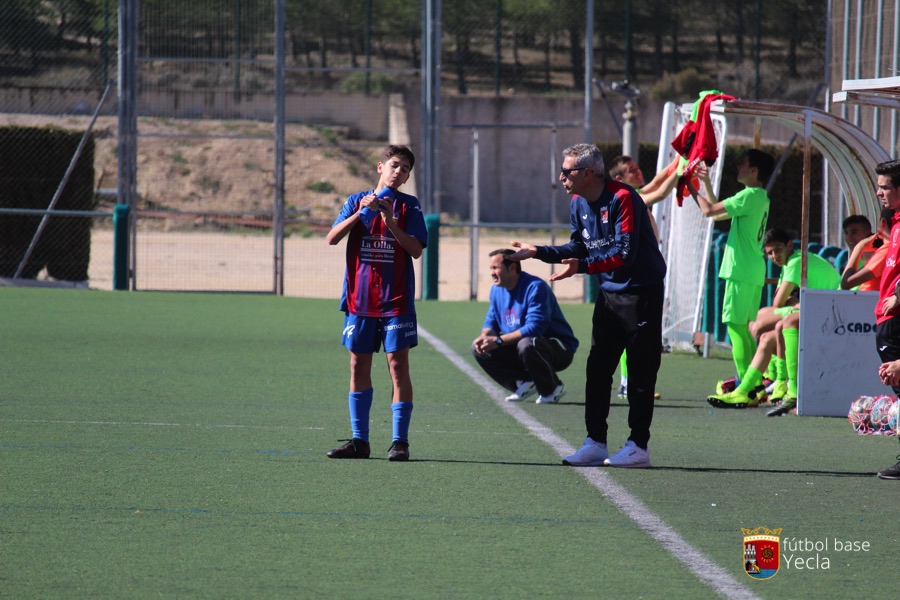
{"points": [[780, 368], [750, 380], [623, 365], [791, 358], [742, 347]]}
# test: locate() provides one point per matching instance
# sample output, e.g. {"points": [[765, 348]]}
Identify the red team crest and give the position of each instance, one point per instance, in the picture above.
{"points": [[762, 552]]}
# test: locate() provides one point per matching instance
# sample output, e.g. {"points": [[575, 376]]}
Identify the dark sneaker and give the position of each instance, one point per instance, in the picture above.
{"points": [[398, 451], [891, 472], [787, 404], [355, 448]]}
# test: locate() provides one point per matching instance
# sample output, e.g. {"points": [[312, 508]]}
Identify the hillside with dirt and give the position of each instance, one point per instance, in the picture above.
{"points": [[228, 166]]}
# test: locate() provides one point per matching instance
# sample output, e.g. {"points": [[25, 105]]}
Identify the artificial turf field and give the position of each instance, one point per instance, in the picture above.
{"points": [[173, 446]]}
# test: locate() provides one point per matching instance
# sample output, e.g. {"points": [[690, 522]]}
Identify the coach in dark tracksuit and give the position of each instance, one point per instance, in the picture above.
{"points": [[612, 238]]}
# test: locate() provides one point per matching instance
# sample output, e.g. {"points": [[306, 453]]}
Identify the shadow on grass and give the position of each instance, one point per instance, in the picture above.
{"points": [[657, 404], [767, 471], [712, 470], [511, 463]]}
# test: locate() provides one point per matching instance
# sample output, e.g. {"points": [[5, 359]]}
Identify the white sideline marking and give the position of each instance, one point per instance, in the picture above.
{"points": [[698, 563]]}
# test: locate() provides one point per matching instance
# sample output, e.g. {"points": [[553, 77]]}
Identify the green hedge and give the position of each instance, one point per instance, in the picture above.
{"points": [[33, 161]]}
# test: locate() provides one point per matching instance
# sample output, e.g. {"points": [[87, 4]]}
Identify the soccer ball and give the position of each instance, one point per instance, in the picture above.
{"points": [[892, 419], [880, 408], [861, 413]]}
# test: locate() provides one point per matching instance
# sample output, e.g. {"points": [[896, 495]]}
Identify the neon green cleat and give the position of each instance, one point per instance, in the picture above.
{"points": [[735, 399], [779, 391], [726, 385]]}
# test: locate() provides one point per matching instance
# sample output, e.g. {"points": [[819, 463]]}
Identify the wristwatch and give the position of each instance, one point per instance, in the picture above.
{"points": [[499, 340]]}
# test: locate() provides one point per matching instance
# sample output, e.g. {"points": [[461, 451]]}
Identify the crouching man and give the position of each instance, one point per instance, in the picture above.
{"points": [[525, 340]]}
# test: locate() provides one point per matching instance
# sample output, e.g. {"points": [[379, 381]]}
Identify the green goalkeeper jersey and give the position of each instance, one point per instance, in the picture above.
{"points": [[743, 258], [820, 274]]}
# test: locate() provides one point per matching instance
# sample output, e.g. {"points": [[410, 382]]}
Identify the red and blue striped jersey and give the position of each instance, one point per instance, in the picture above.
{"points": [[380, 279]]}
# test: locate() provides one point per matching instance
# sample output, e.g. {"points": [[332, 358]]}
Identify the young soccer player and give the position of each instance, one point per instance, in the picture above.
{"points": [[623, 168], [378, 295], [821, 275], [743, 266]]}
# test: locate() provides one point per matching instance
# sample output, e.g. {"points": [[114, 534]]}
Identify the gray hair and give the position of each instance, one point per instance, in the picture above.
{"points": [[587, 156]]}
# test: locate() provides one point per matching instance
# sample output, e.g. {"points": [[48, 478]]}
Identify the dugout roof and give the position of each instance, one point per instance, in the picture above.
{"points": [[883, 91], [851, 153]]}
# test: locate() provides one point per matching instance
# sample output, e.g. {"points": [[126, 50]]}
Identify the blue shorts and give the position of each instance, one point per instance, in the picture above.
{"points": [[365, 335]]}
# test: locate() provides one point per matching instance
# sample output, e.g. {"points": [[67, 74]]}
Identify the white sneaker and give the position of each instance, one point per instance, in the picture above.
{"points": [[525, 389], [591, 454], [630, 456], [553, 397]]}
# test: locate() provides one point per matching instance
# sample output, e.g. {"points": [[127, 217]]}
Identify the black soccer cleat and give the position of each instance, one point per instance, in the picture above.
{"points": [[354, 448], [399, 451], [891, 472]]}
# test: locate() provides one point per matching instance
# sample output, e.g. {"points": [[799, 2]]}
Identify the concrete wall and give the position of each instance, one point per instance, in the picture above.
{"points": [[516, 182], [367, 116], [519, 165]]}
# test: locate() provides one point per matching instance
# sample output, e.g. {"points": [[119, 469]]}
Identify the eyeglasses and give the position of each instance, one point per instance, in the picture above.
{"points": [[567, 173]]}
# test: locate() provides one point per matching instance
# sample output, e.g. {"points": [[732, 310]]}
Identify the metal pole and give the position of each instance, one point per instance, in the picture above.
{"points": [[894, 66], [845, 53], [629, 131], [758, 42], [497, 42], [588, 103], [826, 180], [588, 70], [104, 44], [278, 212], [431, 86], [127, 114], [436, 116], [857, 70], [476, 219], [554, 180], [879, 37], [368, 44], [238, 23], [804, 210], [425, 192], [628, 55]]}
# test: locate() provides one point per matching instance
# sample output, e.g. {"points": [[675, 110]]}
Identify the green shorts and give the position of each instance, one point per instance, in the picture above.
{"points": [[741, 302], [786, 310]]}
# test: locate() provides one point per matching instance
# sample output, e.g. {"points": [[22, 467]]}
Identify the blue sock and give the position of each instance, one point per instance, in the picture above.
{"points": [[402, 415], [360, 403]]}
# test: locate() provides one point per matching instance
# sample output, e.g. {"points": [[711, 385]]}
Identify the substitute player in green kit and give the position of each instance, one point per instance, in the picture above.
{"points": [[821, 275], [743, 266]]}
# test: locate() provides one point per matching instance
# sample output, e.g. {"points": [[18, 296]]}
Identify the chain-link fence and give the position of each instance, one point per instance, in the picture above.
{"points": [[208, 98]]}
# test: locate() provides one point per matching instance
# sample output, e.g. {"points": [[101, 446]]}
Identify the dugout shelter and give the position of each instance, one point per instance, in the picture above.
{"points": [[837, 339]]}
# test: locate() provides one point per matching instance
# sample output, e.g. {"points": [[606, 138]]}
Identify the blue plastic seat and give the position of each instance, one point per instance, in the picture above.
{"points": [[840, 261], [830, 253]]}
